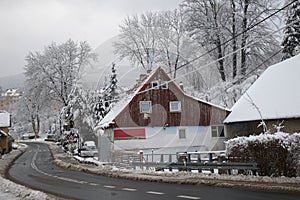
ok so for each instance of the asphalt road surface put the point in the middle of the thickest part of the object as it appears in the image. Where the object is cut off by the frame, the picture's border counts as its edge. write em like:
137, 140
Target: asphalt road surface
35, 169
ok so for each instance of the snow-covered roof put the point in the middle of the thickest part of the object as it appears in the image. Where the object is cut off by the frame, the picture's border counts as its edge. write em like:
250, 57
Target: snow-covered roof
11, 92
274, 95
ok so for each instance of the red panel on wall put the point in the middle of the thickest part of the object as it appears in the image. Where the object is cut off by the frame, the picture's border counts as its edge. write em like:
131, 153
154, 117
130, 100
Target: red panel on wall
124, 134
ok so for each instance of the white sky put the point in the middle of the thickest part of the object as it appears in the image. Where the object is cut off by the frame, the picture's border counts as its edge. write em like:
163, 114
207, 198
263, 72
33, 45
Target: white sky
30, 25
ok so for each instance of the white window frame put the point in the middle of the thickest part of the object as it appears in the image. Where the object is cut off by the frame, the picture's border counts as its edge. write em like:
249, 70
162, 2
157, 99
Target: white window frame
156, 83
217, 131
180, 136
164, 85
150, 107
179, 106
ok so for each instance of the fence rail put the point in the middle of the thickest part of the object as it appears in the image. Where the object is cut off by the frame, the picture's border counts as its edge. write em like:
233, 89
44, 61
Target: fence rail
185, 161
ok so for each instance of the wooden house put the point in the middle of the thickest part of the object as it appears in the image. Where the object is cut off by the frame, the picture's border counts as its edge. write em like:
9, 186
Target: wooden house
273, 98
157, 115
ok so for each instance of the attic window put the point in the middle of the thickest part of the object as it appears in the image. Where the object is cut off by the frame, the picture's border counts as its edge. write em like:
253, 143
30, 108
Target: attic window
145, 107
155, 85
175, 106
217, 131
164, 85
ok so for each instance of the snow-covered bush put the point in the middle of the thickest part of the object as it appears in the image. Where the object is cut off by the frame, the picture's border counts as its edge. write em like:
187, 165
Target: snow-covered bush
276, 154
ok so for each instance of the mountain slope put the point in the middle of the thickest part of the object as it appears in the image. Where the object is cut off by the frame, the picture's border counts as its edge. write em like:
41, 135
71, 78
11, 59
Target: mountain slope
14, 81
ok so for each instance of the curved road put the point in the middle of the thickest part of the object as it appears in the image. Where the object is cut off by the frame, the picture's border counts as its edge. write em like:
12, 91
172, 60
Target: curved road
35, 169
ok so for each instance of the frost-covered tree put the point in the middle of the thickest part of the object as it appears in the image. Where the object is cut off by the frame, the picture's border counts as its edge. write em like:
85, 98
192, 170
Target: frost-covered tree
104, 99
57, 69
223, 27
155, 37
111, 90
138, 40
32, 107
205, 19
172, 40
291, 41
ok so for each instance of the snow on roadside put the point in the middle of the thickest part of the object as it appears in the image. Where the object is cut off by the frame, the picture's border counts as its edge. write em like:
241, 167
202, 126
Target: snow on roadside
242, 181
10, 190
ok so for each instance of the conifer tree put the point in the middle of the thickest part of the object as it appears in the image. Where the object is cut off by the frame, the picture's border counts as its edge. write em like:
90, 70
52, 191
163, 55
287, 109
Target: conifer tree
291, 41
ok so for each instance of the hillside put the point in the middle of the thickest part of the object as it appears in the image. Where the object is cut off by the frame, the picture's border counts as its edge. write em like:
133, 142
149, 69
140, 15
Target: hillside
14, 81
94, 75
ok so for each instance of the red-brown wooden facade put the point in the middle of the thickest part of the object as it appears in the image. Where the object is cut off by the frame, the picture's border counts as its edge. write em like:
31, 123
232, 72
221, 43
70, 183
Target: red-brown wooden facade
193, 112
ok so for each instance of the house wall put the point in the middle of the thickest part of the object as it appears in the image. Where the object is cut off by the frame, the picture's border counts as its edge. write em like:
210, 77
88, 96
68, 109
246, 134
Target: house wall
193, 112
105, 146
166, 140
250, 128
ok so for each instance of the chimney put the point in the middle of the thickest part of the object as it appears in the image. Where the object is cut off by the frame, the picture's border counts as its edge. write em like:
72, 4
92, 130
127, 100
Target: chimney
142, 76
181, 85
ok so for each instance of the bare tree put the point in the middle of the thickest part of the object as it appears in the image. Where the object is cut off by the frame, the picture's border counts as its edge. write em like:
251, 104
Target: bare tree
205, 19
138, 40
215, 23
171, 39
158, 37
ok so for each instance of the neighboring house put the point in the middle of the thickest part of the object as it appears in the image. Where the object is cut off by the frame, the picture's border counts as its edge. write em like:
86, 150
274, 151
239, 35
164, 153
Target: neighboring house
156, 115
274, 97
5, 138
9, 98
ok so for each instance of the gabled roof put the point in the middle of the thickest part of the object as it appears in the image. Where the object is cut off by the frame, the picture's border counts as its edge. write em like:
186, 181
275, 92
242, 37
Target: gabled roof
137, 89
275, 94
121, 105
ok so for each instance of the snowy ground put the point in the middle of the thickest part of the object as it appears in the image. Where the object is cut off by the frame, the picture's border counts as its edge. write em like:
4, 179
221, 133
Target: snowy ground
264, 183
12, 191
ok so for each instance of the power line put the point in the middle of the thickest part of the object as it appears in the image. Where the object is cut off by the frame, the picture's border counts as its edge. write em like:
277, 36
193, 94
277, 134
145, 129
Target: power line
248, 29
250, 72
229, 54
249, 44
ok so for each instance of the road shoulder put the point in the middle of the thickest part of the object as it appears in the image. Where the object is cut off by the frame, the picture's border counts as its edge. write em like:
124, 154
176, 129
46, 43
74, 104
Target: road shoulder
279, 184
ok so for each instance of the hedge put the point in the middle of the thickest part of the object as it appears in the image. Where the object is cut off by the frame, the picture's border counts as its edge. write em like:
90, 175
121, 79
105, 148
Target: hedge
276, 154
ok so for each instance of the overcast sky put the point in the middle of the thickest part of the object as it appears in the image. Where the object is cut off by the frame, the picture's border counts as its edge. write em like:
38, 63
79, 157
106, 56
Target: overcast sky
30, 25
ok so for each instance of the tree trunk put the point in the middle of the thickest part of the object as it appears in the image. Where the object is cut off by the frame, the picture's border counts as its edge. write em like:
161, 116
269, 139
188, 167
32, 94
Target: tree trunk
33, 123
244, 38
218, 42
234, 45
37, 126
220, 59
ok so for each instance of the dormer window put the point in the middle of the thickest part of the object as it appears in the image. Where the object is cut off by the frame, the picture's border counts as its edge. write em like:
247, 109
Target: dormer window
155, 85
164, 84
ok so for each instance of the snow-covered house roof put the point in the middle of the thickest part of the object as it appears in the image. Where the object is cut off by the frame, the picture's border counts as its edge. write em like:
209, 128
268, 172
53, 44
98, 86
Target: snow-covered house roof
11, 92
274, 95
